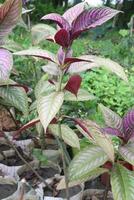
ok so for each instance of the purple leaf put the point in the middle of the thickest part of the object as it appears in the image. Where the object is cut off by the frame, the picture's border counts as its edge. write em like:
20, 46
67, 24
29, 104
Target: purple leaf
37, 53
71, 14
83, 125
26, 126
10, 13
6, 63
74, 60
128, 124
62, 55
62, 38
91, 19
73, 84
57, 19
112, 131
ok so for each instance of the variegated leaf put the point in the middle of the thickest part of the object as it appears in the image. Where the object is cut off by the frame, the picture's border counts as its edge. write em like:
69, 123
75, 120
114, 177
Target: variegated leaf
122, 181
43, 88
127, 152
92, 18
57, 19
96, 63
10, 13
128, 124
6, 64
67, 134
51, 68
100, 138
48, 107
112, 131
86, 161
36, 52
16, 97
112, 119
82, 95
84, 177
71, 14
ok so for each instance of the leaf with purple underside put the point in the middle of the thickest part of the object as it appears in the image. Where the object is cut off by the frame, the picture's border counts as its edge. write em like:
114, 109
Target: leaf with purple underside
92, 18
10, 13
6, 64
112, 119
37, 53
62, 38
98, 62
73, 84
62, 55
76, 60
128, 124
112, 131
57, 19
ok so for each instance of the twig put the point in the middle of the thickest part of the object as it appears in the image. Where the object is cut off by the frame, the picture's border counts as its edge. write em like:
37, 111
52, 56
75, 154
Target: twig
29, 166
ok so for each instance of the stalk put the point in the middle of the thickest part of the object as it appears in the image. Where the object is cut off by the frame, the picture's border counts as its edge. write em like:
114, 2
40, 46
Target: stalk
64, 164
106, 189
61, 146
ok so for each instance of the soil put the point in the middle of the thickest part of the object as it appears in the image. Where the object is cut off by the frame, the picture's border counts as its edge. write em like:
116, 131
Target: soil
95, 195
4, 147
45, 173
94, 184
15, 160
62, 193
7, 190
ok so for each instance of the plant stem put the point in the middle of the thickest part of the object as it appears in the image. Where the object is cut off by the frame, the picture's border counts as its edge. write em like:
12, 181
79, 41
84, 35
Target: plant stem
60, 143
29, 166
64, 164
106, 189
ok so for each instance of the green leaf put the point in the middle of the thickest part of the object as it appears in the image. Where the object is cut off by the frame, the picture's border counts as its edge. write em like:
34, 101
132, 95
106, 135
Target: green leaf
127, 152
48, 107
68, 135
41, 32
82, 95
84, 177
111, 118
86, 161
122, 181
16, 97
41, 157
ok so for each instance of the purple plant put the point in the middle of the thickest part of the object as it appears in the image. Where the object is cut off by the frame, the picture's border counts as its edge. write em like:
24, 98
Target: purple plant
52, 93
121, 127
77, 20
